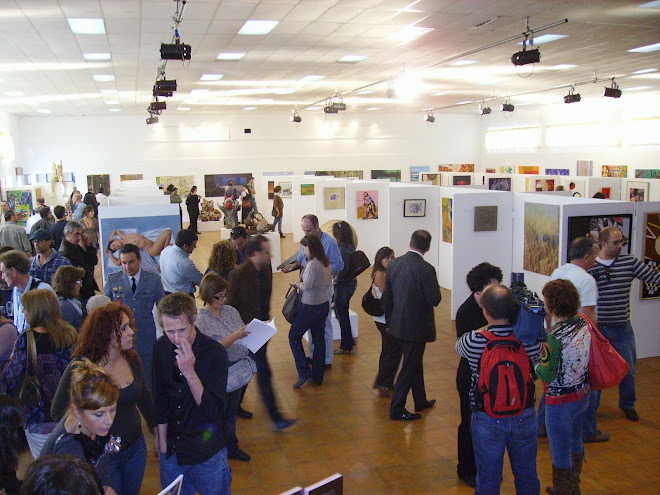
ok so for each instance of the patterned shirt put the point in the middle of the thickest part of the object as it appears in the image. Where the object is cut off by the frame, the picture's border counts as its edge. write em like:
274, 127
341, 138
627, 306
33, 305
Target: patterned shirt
46, 271
221, 328
573, 372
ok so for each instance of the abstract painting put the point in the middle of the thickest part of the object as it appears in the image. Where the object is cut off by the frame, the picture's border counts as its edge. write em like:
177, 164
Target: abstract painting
638, 191
485, 218
287, 189
367, 205
620, 171
499, 184
556, 171
541, 249
585, 168
124, 177
447, 214
433, 178
650, 173
307, 189
591, 226
334, 198
215, 184
528, 169
652, 253
183, 183
414, 207
391, 175
453, 167
544, 185
94, 182
461, 180
21, 203
506, 170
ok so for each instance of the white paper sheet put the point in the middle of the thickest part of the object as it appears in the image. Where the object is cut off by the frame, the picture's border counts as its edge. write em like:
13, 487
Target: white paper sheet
260, 333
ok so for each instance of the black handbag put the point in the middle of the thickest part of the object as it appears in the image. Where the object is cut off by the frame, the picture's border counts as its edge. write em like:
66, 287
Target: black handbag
29, 390
291, 303
370, 304
358, 263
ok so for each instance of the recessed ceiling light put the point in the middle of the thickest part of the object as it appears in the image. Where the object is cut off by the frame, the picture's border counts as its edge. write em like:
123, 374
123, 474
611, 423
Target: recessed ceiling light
285, 91
265, 100
365, 92
545, 38
230, 56
645, 71
43, 110
562, 67
250, 108
409, 33
464, 102
211, 77
646, 49
258, 27
313, 108
31, 103
96, 57
650, 5
372, 108
441, 93
351, 59
87, 26
183, 109
311, 77
108, 91
103, 77
111, 101
460, 63
638, 88
14, 93
114, 109
198, 92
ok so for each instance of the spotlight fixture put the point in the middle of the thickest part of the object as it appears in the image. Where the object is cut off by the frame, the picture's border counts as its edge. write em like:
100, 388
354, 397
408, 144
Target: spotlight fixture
484, 110
152, 120
507, 107
175, 51
525, 57
330, 109
339, 105
295, 117
572, 96
157, 107
335, 105
165, 87
613, 91
429, 117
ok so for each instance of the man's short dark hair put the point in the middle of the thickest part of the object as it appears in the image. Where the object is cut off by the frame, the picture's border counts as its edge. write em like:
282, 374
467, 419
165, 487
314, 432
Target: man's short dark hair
9, 214
312, 218
580, 247
498, 300
277, 188
101, 189
130, 248
255, 244
41, 201
185, 237
481, 275
238, 231
175, 305
16, 259
59, 211
421, 239
61, 474
44, 211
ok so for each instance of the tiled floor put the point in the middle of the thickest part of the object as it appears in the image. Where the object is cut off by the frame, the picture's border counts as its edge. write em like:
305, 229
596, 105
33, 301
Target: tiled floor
343, 426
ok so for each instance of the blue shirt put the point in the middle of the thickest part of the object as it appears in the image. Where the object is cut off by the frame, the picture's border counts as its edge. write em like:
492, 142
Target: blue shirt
177, 270
78, 214
46, 271
19, 317
331, 251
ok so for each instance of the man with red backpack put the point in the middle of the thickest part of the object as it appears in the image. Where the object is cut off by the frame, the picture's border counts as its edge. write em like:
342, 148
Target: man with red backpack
502, 396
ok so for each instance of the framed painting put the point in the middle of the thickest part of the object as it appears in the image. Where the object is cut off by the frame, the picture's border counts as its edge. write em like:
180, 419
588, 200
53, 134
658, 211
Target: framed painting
638, 191
414, 207
620, 171
287, 189
367, 205
271, 189
391, 175
528, 169
456, 167
651, 253
461, 180
499, 183
432, 178
585, 168
334, 198
556, 171
485, 218
591, 226
447, 219
541, 232
215, 184
650, 173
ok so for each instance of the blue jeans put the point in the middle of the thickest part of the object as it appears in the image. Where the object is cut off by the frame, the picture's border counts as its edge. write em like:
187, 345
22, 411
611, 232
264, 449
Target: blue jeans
540, 415
277, 222
517, 434
212, 477
622, 339
343, 293
310, 317
564, 425
127, 468
328, 333
589, 427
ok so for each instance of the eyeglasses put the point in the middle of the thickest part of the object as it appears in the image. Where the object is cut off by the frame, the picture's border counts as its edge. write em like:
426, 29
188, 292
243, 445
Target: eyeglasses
221, 296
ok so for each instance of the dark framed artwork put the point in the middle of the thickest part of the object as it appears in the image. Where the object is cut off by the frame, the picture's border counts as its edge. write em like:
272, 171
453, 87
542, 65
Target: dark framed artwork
461, 180
591, 226
485, 218
651, 253
414, 207
215, 184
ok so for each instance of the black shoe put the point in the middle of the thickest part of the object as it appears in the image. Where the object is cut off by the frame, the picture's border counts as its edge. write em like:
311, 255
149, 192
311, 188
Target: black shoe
429, 404
405, 416
309, 360
242, 413
301, 382
327, 366
469, 479
283, 424
631, 414
239, 455
282, 236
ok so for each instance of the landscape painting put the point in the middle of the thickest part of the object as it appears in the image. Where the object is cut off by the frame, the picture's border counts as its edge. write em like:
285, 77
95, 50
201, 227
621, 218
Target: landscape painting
541, 247
355, 174
307, 189
287, 189
391, 175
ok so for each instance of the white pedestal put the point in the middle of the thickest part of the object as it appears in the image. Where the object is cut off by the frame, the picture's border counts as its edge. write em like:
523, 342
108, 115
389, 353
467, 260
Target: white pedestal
224, 233
336, 329
209, 226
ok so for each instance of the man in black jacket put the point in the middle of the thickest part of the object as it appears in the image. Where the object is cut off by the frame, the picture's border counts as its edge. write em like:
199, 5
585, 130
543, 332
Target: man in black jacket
411, 293
78, 249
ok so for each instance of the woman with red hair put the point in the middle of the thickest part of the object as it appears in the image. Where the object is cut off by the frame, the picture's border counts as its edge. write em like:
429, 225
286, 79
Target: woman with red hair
106, 339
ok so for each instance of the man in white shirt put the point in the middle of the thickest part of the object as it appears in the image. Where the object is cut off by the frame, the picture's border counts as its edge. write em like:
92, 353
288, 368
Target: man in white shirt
101, 196
36, 215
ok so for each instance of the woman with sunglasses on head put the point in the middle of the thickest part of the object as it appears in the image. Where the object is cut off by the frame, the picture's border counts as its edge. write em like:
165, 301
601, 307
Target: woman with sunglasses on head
84, 431
107, 340
223, 323
67, 282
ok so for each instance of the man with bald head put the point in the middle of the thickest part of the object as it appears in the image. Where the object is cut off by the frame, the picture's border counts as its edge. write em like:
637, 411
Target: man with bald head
78, 206
614, 273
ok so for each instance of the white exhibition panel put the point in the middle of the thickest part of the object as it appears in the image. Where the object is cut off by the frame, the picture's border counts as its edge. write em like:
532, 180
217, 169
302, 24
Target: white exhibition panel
595, 184
303, 205
127, 200
401, 228
373, 233
471, 248
332, 214
519, 182
654, 189
580, 184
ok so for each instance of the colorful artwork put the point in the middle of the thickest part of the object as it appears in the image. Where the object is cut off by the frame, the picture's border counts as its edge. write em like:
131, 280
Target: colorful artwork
652, 253
591, 226
356, 174
453, 167
556, 171
490, 171
183, 183
122, 178
94, 182
544, 185
499, 184
433, 178
606, 192
585, 168
416, 171
620, 171
461, 180
651, 173
485, 218
307, 189
577, 187
367, 205
638, 191
271, 189
414, 207
214, 185
447, 213
207, 212
506, 170
287, 189
391, 175
334, 198
21, 203
541, 249
528, 169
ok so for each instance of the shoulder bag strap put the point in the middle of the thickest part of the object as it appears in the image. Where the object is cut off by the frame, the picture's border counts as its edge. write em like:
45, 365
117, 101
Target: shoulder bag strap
31, 351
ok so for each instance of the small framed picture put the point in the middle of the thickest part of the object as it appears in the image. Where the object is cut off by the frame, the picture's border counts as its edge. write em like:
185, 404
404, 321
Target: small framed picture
414, 207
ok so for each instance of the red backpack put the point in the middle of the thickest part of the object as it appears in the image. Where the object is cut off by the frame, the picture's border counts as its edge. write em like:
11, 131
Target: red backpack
229, 205
505, 387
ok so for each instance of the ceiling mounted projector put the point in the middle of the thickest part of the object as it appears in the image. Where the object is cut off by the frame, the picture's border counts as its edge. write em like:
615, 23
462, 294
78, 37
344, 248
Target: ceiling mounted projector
175, 51
152, 120
165, 87
526, 57
339, 105
295, 117
507, 107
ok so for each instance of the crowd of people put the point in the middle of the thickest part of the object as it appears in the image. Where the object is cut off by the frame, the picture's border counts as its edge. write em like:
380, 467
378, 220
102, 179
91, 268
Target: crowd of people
81, 371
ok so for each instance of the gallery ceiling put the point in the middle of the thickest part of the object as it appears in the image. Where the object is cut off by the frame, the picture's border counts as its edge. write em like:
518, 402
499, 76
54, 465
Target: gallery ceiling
43, 70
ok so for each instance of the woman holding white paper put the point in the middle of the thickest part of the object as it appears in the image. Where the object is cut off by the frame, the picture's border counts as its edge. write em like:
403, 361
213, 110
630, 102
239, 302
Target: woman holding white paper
223, 323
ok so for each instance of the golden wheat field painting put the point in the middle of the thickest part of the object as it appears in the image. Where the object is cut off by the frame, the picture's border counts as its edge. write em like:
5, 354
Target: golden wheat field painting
541, 252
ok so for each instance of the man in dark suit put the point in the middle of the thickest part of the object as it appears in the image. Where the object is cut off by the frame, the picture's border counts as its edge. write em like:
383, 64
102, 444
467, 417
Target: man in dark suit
411, 292
140, 290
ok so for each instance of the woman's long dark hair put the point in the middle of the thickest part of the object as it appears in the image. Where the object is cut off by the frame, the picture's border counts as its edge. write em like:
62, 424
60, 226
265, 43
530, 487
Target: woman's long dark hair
11, 437
381, 254
316, 250
342, 232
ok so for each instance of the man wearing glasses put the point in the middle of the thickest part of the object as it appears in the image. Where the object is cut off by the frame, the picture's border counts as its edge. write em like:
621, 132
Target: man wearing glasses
614, 273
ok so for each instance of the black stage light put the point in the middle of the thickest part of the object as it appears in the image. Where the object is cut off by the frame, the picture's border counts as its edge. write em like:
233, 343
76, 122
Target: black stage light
165, 87
157, 107
429, 118
339, 105
295, 118
507, 107
330, 109
572, 98
612, 92
175, 51
152, 120
526, 57
485, 110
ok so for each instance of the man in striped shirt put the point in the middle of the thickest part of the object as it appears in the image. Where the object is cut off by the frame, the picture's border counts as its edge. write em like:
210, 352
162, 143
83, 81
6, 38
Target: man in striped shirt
490, 436
614, 273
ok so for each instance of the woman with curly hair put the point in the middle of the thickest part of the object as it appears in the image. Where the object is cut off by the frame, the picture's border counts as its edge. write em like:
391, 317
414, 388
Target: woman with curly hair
107, 340
223, 259
84, 431
53, 340
67, 282
11, 443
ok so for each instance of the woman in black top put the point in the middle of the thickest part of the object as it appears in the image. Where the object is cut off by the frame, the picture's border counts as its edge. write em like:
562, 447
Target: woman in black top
470, 317
11, 443
344, 289
106, 338
192, 203
222, 259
